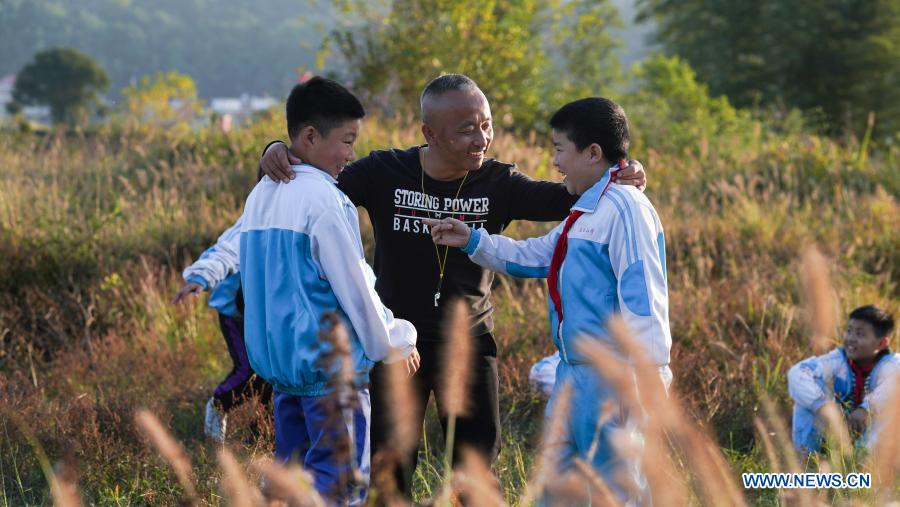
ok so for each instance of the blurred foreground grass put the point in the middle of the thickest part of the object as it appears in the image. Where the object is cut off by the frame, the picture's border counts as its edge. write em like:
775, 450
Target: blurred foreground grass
96, 226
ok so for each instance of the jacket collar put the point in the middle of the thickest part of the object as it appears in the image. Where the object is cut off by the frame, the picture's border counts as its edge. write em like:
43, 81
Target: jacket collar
315, 171
883, 353
591, 198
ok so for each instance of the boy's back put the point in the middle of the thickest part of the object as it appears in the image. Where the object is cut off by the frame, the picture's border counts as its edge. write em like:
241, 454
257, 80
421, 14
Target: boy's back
619, 245
301, 256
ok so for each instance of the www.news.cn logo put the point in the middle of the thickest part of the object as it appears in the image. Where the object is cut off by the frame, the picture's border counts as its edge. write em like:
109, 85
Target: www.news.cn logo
806, 481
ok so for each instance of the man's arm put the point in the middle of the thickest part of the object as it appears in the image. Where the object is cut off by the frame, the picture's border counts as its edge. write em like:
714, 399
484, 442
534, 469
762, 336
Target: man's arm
527, 258
546, 201
354, 180
538, 201
276, 161
338, 254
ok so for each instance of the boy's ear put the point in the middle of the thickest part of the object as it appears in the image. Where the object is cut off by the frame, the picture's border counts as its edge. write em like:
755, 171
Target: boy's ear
596, 152
308, 135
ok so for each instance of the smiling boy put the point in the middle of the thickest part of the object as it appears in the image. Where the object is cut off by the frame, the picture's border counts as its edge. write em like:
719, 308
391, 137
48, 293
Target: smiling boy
301, 256
857, 376
607, 258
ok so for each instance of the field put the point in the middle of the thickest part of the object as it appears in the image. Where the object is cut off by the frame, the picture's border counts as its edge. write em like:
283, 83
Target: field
96, 225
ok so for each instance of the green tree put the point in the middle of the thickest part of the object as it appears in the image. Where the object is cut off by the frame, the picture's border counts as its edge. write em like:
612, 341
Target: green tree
166, 99
230, 47
674, 112
401, 45
66, 80
837, 57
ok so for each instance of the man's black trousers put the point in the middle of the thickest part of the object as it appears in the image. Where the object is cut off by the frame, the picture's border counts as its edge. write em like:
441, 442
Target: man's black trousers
479, 429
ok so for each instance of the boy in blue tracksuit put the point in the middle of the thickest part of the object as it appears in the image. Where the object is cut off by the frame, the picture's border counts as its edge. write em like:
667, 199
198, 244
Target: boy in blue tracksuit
301, 256
858, 376
607, 258
211, 272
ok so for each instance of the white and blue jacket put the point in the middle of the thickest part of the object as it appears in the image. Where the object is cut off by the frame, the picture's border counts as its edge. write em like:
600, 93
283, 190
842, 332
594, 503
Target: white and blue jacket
615, 264
216, 271
818, 379
301, 255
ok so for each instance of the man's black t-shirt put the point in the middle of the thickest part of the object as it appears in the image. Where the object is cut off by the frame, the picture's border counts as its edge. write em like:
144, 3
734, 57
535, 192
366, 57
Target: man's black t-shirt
389, 185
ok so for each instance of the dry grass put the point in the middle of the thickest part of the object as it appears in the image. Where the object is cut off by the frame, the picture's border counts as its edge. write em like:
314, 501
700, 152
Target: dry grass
457, 370
170, 450
235, 486
95, 227
819, 300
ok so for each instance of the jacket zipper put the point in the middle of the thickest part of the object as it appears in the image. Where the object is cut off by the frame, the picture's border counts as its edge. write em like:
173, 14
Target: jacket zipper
559, 318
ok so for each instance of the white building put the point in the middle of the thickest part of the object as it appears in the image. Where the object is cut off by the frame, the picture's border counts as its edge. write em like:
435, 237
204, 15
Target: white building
6, 88
235, 111
34, 113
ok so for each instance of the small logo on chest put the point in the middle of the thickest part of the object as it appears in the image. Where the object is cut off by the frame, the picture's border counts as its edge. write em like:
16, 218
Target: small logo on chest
585, 230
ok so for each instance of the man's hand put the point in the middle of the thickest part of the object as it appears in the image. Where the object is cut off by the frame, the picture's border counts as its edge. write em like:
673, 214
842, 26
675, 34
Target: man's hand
633, 174
412, 362
189, 288
448, 231
858, 420
276, 162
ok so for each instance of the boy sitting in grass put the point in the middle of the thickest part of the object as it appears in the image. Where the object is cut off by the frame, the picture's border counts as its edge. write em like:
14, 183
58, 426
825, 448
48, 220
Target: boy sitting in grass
301, 256
857, 376
607, 258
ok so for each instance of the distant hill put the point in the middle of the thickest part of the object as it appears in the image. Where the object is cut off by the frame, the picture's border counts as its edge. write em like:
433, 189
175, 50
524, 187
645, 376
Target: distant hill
229, 47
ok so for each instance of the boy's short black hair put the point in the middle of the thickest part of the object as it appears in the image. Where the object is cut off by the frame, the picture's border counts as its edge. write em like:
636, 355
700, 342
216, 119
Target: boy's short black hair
322, 103
595, 120
881, 321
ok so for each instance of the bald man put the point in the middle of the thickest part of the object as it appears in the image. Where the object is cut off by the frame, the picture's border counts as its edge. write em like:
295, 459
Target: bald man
450, 176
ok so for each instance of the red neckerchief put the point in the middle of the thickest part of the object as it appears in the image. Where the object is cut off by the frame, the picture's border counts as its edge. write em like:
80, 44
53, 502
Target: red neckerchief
861, 373
562, 245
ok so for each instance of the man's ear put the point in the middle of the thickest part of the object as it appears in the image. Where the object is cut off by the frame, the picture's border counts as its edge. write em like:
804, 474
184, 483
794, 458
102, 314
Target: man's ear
428, 133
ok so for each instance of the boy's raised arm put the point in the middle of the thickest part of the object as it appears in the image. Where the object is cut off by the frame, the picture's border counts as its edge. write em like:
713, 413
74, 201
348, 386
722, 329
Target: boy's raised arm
219, 261
339, 255
527, 258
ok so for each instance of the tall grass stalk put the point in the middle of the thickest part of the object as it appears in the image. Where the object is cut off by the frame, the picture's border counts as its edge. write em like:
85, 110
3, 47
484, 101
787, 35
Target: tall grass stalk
820, 305
234, 484
290, 484
555, 432
457, 376
475, 482
170, 450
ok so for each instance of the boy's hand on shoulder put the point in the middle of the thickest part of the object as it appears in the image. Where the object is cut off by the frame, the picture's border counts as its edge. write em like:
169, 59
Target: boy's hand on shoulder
188, 288
276, 162
412, 362
449, 231
633, 174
